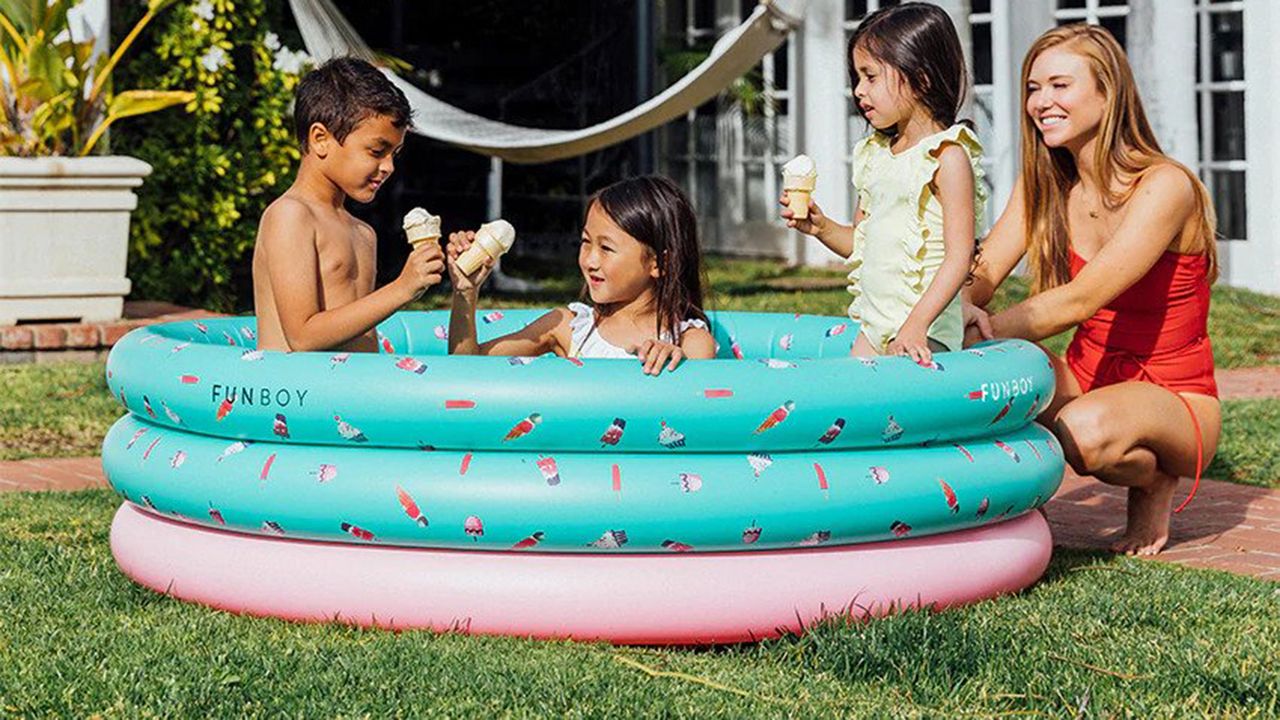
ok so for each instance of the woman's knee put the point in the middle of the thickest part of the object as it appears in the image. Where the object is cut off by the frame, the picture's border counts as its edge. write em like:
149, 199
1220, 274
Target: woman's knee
1088, 432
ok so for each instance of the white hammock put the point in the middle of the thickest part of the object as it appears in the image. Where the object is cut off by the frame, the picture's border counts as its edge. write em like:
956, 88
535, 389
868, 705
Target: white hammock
327, 34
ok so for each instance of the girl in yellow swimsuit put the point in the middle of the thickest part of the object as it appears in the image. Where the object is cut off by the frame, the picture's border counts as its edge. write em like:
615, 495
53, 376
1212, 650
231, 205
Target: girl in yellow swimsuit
919, 186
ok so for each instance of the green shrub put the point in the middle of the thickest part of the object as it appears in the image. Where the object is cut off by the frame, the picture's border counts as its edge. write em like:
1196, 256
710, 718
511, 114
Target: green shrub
217, 168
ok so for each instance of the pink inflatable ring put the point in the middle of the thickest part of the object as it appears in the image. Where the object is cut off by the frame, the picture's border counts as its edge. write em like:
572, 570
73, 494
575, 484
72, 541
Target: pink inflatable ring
684, 598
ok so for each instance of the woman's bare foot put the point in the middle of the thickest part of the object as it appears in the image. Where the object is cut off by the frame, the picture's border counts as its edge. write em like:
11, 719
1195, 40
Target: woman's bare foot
1149, 511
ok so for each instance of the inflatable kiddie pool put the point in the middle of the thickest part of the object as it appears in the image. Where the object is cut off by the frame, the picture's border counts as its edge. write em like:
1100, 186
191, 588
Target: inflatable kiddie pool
561, 498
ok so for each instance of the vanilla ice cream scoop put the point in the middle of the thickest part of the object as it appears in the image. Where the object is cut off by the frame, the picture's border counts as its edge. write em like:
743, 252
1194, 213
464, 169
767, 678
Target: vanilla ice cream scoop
421, 226
799, 178
492, 241
801, 166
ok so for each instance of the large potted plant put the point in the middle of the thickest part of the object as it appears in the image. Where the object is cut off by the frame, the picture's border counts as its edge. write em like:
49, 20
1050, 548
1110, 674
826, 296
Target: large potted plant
64, 212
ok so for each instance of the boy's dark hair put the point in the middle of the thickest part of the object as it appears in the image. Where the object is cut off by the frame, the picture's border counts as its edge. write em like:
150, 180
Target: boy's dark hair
343, 92
655, 211
919, 41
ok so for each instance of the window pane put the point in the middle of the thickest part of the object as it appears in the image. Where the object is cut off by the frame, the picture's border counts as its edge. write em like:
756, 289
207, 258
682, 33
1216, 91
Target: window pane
704, 13
705, 135
678, 137
782, 140
982, 54
780, 65
982, 117
1199, 28
678, 170
781, 128
707, 195
755, 139
855, 9
1113, 3
1203, 150
1227, 45
758, 205
1228, 200
981, 6
1116, 26
1228, 125
1069, 4
675, 17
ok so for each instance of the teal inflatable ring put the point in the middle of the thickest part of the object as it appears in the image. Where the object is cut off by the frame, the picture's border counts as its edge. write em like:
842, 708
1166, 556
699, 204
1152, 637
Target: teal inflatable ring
581, 502
783, 383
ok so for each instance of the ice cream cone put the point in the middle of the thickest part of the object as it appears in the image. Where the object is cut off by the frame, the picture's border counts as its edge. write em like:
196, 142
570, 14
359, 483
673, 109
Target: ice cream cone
798, 201
416, 240
492, 241
799, 178
421, 226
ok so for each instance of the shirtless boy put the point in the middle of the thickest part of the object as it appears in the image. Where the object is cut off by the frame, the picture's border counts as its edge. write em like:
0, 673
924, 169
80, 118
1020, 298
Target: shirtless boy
314, 264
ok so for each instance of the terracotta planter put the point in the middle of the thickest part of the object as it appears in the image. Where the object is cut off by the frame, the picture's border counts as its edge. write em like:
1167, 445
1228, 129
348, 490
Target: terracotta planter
64, 236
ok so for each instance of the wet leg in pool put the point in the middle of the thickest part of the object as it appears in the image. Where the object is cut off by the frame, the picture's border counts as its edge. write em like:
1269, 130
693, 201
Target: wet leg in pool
1140, 436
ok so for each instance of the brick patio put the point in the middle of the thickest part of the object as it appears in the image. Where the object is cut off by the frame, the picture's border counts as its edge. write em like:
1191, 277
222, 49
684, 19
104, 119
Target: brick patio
54, 474
21, 340
1227, 526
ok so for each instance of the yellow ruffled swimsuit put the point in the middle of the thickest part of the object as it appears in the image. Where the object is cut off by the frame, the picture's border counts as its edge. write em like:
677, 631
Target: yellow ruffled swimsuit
903, 220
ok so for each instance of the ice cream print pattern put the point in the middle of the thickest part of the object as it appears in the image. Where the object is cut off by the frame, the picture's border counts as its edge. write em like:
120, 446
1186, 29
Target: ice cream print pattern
416, 498
790, 404
412, 447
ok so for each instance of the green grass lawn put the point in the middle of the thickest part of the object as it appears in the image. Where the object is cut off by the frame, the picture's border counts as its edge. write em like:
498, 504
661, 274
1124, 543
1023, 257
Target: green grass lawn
1097, 637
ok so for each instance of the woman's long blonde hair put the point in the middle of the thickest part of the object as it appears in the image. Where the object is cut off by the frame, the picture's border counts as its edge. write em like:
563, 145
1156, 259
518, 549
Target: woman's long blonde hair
1126, 149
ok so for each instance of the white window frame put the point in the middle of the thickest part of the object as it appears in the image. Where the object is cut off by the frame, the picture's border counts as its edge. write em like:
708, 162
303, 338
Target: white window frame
985, 95
1204, 93
1091, 13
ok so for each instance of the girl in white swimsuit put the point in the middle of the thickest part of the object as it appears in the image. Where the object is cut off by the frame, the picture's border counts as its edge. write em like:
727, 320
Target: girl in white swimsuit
642, 286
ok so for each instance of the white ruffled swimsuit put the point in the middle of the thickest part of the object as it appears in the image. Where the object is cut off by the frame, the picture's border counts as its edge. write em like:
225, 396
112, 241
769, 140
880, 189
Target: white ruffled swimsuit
898, 246
589, 344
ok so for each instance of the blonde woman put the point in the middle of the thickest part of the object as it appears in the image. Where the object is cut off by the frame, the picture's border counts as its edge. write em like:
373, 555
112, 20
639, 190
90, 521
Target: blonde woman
1119, 241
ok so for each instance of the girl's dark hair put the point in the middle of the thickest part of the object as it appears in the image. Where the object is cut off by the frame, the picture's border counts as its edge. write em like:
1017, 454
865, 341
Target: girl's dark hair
919, 41
655, 211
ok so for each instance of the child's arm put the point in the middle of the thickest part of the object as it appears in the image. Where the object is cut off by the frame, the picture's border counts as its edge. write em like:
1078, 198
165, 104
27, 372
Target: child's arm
837, 237
954, 181
288, 237
696, 343
538, 337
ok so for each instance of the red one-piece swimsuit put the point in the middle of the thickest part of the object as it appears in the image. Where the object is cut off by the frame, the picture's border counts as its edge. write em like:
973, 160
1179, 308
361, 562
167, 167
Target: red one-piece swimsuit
1156, 331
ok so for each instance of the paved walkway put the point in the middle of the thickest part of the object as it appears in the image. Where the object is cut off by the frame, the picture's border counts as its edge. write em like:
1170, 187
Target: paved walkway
36, 342
1227, 527
56, 474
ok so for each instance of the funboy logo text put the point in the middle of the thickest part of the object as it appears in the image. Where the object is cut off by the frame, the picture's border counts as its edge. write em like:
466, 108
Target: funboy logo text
1004, 389
263, 396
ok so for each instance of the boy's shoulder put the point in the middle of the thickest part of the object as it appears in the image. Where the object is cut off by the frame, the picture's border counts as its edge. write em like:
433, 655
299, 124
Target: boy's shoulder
285, 212
291, 220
